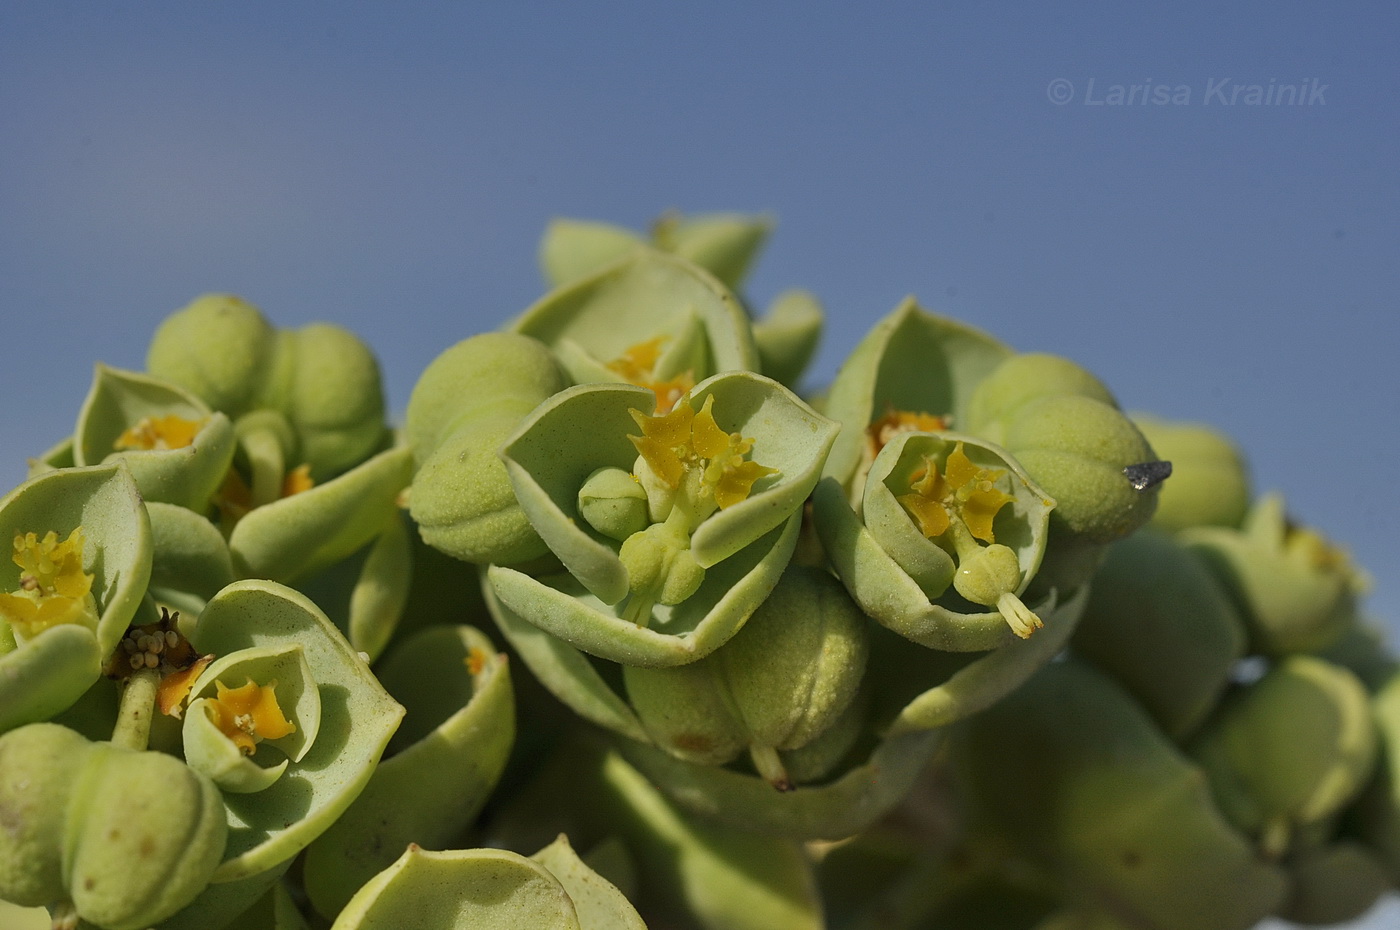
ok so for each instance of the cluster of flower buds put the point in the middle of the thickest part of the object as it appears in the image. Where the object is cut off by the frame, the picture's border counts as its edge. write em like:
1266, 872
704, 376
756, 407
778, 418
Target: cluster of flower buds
954, 642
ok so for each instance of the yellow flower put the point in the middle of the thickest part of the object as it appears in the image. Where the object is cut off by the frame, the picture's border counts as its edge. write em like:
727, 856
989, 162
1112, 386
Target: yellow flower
962, 492
684, 441
167, 432
894, 422
248, 715
53, 589
637, 365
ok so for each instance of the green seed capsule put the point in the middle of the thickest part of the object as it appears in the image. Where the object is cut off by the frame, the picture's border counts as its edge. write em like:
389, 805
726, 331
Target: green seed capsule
128, 837
467, 402
780, 683
38, 765
1077, 448
1025, 377
1290, 750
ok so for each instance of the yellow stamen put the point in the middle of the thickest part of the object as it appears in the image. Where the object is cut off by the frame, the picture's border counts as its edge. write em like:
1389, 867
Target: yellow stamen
674, 443
53, 589
248, 714
963, 491
475, 660
637, 365
167, 432
894, 422
297, 480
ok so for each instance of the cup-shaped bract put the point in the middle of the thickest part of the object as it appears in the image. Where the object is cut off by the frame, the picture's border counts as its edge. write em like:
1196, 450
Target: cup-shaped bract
177, 449
787, 335
441, 768
1289, 750
651, 319
487, 889
232, 699
570, 249
913, 371
724, 244
1159, 623
80, 547
465, 404
951, 526
726, 473
300, 534
357, 718
1210, 483
1296, 591
1072, 772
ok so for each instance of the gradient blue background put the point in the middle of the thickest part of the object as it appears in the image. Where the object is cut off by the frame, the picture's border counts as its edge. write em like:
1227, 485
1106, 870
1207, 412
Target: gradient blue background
391, 169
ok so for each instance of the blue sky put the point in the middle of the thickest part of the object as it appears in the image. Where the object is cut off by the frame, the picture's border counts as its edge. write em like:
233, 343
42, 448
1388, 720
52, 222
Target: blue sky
392, 171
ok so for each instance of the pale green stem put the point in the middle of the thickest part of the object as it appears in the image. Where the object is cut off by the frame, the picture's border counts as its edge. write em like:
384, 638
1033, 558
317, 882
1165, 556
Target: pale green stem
138, 706
770, 766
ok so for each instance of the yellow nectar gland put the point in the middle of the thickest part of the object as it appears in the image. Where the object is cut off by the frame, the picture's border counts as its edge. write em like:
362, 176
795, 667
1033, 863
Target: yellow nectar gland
962, 492
235, 499
53, 588
683, 440
637, 365
879, 433
167, 432
248, 715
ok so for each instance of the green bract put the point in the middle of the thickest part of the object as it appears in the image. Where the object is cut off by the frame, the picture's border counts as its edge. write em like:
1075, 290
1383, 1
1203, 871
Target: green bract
591, 323
177, 449
298, 535
1288, 751
1078, 777
441, 768
357, 717
913, 371
1296, 591
210, 751
934, 590
45, 671
722, 243
725, 474
489, 889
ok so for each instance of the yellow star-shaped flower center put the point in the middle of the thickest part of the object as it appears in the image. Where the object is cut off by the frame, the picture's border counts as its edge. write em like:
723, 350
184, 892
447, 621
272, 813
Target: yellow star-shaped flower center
167, 432
962, 491
637, 365
683, 441
249, 714
53, 588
